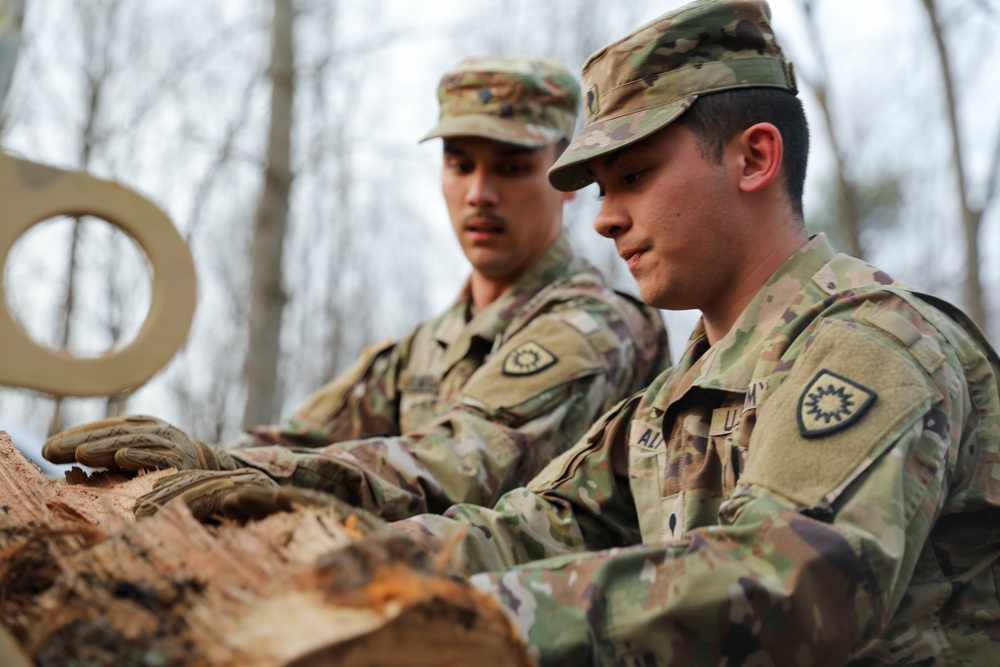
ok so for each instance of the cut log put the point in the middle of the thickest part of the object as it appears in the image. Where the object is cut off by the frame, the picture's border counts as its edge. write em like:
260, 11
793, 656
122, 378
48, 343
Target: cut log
81, 582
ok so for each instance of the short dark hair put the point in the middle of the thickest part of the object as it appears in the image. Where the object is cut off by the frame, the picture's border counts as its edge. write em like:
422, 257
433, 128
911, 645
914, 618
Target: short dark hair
717, 118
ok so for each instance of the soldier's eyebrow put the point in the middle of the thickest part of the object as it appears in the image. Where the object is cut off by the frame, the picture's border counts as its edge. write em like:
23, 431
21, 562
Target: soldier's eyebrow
510, 149
503, 150
609, 161
621, 152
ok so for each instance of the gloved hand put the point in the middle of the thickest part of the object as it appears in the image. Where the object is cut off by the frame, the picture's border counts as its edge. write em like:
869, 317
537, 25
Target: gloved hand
256, 503
132, 443
204, 491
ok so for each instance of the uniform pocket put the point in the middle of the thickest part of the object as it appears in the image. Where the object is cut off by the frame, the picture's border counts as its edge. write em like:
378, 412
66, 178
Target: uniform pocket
660, 512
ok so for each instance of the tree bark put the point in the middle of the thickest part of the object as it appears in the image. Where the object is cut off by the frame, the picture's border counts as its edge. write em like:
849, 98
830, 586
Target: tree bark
267, 297
83, 583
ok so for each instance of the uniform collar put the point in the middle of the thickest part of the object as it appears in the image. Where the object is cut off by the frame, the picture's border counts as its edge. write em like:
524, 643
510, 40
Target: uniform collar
731, 364
455, 332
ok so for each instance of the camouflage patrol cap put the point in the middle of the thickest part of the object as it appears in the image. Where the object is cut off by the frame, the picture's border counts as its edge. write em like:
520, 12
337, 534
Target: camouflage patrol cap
524, 101
647, 79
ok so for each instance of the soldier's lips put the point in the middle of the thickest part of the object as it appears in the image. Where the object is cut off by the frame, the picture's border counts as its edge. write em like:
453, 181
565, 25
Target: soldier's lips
483, 229
632, 258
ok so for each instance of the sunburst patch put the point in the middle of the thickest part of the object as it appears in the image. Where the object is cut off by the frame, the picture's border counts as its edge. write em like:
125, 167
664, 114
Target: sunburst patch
527, 359
830, 403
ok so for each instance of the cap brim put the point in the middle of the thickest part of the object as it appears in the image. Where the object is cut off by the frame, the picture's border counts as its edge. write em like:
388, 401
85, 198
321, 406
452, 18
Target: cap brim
498, 129
570, 170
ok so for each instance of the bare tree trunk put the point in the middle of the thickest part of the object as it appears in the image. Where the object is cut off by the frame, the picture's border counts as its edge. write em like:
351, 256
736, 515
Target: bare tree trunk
96, 75
267, 298
970, 218
848, 215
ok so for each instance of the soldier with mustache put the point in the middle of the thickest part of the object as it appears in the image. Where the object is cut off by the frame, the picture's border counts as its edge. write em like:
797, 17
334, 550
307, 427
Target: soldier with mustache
473, 402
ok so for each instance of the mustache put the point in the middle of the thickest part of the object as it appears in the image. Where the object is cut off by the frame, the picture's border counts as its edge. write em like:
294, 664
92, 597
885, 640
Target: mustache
467, 221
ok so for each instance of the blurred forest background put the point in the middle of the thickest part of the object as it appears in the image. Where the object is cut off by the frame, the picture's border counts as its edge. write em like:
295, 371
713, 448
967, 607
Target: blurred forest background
281, 138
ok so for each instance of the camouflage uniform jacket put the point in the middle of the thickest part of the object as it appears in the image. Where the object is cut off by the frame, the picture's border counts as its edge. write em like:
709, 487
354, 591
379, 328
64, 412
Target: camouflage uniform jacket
820, 487
462, 409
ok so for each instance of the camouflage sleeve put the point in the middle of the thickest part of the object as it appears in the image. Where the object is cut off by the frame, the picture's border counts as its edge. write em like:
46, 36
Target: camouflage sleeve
360, 402
532, 399
579, 501
807, 563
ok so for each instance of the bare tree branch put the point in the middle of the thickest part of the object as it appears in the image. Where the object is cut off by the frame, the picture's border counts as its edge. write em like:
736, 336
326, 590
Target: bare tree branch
222, 157
848, 216
970, 220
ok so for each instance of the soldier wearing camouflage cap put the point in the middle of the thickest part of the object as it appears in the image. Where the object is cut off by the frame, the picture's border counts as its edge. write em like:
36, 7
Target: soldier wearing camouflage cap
817, 480
472, 402
520, 101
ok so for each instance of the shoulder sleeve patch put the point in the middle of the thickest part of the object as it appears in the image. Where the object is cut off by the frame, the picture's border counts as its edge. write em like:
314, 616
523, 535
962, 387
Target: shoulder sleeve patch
848, 398
832, 402
541, 357
527, 359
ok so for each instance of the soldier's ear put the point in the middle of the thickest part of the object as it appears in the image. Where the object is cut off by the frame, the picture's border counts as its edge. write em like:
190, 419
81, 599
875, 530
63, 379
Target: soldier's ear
759, 150
568, 196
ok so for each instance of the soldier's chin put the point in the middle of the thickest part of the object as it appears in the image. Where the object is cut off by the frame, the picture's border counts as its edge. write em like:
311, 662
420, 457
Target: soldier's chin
654, 295
491, 266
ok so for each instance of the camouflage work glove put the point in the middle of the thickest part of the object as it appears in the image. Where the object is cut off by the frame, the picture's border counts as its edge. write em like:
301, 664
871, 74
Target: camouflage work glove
258, 503
132, 443
204, 491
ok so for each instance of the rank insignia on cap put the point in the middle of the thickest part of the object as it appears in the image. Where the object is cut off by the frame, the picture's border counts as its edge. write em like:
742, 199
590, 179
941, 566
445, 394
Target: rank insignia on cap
832, 402
593, 107
527, 359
